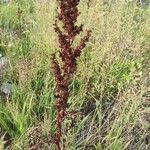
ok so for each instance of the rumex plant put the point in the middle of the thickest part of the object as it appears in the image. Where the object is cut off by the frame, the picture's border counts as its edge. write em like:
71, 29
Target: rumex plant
64, 70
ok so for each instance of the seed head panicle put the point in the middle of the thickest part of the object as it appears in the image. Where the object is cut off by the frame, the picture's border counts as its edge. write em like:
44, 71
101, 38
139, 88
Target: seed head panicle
68, 14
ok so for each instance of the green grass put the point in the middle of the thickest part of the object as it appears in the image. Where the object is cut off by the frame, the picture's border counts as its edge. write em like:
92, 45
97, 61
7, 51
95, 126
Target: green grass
108, 88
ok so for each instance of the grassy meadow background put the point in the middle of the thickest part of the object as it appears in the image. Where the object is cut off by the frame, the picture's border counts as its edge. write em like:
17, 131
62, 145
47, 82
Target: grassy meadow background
110, 91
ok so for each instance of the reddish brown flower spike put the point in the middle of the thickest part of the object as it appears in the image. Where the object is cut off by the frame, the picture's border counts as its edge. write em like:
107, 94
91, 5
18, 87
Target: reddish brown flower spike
68, 15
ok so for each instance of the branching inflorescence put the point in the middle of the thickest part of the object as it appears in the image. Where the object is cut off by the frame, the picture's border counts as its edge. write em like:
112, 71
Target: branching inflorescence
63, 71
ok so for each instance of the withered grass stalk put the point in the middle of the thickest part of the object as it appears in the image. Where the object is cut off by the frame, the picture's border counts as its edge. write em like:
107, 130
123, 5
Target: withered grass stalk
63, 72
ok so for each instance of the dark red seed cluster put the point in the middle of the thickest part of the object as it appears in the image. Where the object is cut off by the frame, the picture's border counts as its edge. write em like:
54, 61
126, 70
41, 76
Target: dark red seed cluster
68, 15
